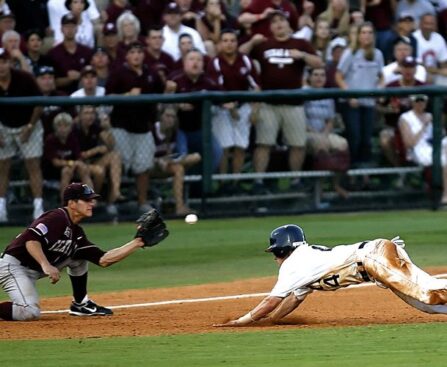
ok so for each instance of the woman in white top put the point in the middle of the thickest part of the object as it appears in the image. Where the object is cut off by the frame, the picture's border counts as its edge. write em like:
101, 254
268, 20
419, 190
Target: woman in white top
86, 34
416, 128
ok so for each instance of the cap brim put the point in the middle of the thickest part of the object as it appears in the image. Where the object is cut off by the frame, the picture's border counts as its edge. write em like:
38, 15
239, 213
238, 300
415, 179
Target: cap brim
91, 196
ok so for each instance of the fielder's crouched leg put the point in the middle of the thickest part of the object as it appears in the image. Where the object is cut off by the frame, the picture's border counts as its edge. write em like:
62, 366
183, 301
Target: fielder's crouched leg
391, 266
25, 312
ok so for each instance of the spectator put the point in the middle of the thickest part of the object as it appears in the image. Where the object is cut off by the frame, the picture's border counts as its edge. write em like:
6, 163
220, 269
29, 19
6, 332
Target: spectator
282, 59
390, 139
47, 85
20, 133
97, 152
416, 128
337, 15
149, 13
415, 8
231, 124
132, 126
392, 71
167, 162
189, 10
101, 63
30, 14
381, 14
7, 22
334, 53
57, 10
11, 43
62, 154
128, 27
210, 24
116, 8
89, 84
34, 53
69, 57
189, 135
110, 42
321, 38
186, 44
432, 50
156, 58
87, 27
322, 142
403, 30
174, 28
360, 67
257, 15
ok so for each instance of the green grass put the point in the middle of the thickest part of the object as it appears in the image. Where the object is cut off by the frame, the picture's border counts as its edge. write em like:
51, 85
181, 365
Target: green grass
396, 345
224, 250
229, 249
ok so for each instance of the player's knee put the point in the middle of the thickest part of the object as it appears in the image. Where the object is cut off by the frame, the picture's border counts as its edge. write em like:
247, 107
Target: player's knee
26, 313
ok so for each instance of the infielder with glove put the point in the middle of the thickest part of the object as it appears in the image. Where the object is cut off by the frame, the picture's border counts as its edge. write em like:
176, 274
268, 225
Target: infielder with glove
305, 268
54, 241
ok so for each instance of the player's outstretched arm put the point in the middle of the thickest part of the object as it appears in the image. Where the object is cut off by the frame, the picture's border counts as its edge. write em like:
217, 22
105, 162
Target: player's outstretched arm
289, 304
266, 306
117, 254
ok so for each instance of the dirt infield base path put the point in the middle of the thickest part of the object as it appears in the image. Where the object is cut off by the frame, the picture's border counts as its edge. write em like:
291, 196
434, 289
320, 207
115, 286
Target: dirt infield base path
353, 306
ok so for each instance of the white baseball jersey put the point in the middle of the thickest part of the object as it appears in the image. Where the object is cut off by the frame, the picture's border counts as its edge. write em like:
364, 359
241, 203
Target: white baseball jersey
312, 267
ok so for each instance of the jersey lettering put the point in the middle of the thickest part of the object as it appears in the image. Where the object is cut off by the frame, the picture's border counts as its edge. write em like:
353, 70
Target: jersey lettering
63, 246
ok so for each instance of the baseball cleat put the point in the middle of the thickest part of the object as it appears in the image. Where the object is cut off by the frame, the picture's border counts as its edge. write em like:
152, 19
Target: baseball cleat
89, 308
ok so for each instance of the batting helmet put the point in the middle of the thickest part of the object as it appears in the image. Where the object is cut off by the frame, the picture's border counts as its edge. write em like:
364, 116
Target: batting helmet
285, 239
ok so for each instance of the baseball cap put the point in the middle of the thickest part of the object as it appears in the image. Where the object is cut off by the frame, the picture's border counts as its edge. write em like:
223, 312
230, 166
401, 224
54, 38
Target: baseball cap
69, 18
337, 42
45, 70
172, 8
278, 12
4, 15
109, 28
409, 62
403, 17
418, 97
4, 54
79, 191
88, 69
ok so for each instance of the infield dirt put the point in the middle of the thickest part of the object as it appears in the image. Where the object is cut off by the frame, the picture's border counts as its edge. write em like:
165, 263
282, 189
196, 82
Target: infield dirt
347, 307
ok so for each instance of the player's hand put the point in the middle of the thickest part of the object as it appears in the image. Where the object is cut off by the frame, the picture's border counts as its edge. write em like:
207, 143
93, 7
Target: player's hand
52, 272
232, 323
398, 241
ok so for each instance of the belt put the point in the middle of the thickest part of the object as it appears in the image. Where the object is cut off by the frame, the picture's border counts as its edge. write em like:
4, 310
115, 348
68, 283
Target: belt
10, 259
363, 244
362, 271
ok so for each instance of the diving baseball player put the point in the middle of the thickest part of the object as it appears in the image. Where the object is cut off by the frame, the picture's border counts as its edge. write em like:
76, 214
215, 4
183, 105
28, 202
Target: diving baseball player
305, 268
54, 241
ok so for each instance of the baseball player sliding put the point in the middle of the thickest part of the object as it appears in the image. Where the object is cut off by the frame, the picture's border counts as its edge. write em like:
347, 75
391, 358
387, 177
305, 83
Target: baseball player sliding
305, 268
54, 241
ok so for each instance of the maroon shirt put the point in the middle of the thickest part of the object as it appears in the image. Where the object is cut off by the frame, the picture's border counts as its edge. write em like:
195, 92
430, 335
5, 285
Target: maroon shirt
114, 11
54, 148
192, 120
134, 118
263, 26
241, 75
90, 140
60, 239
64, 61
163, 65
278, 69
381, 15
22, 84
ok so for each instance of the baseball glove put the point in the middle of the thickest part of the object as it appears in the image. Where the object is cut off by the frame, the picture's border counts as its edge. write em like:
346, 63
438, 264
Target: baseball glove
151, 228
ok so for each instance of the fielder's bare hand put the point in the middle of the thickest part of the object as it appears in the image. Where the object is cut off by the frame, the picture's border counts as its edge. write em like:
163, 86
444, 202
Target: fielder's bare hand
52, 272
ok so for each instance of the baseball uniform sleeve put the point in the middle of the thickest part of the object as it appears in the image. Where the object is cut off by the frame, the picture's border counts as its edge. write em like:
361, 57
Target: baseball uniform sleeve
88, 251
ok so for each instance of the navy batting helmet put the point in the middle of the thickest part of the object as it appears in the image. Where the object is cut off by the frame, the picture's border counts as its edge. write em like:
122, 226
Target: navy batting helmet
285, 239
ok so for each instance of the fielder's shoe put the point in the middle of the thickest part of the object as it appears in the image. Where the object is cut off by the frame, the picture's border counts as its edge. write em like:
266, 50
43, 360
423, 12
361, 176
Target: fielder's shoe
89, 308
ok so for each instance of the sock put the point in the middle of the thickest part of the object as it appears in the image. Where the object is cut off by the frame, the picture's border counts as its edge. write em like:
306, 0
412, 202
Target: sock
38, 202
6, 311
79, 285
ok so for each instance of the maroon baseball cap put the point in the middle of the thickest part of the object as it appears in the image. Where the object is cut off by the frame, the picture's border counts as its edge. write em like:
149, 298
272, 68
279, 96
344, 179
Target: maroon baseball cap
88, 70
69, 18
136, 44
278, 12
79, 191
409, 62
172, 8
4, 54
109, 28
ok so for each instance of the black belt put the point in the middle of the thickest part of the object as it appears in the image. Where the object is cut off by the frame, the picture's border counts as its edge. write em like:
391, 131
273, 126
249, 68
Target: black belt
362, 271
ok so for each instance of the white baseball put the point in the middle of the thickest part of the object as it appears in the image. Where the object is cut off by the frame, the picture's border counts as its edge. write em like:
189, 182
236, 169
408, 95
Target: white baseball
191, 219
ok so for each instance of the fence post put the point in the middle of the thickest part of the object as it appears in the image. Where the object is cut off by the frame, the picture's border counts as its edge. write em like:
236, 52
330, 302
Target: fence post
438, 102
207, 159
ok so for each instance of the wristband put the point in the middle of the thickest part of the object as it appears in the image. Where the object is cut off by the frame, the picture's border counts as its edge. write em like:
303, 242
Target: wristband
246, 319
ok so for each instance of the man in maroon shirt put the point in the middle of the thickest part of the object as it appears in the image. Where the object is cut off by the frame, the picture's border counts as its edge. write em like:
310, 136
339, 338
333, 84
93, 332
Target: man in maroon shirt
52, 242
231, 124
282, 59
189, 134
132, 125
155, 58
69, 57
20, 132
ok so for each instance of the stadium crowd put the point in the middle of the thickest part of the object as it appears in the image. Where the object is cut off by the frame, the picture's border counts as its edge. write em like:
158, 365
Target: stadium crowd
129, 47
